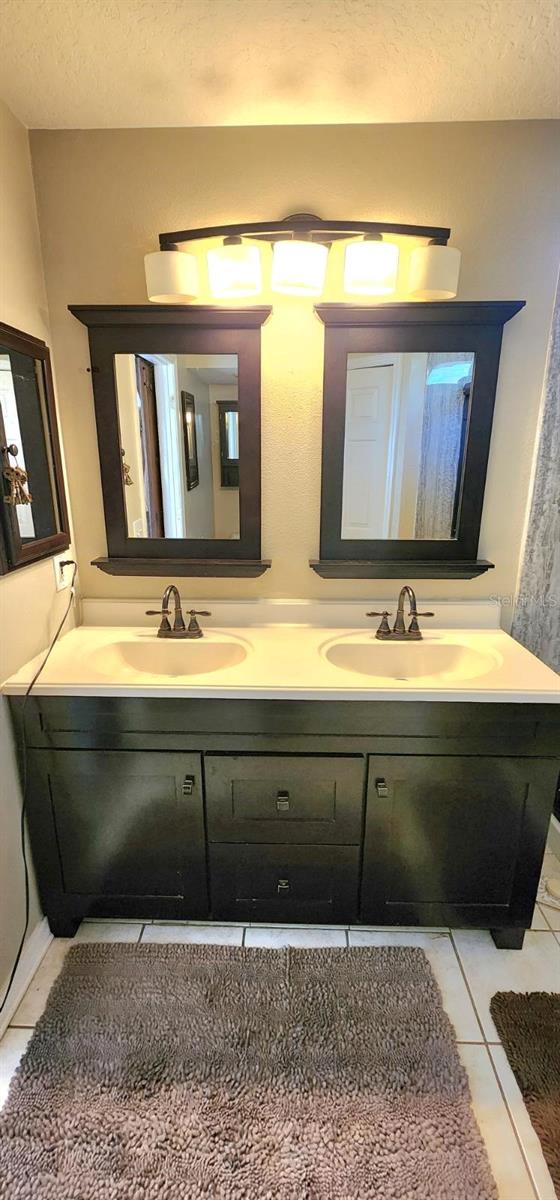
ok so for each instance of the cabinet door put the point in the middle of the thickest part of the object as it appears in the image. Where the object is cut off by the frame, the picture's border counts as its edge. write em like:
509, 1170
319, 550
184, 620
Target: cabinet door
120, 823
454, 839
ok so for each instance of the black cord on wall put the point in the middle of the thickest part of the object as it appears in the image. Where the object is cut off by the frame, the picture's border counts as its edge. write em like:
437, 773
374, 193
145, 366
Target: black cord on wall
69, 562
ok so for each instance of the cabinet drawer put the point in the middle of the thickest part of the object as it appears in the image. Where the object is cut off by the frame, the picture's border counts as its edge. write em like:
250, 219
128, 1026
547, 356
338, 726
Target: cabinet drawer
273, 798
284, 883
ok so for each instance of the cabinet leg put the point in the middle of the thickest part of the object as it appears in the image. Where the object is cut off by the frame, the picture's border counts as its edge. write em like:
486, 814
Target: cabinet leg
64, 927
508, 938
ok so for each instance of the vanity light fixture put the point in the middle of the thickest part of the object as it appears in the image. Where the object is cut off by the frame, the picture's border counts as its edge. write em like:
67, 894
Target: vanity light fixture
370, 267
434, 272
171, 276
234, 269
300, 250
299, 267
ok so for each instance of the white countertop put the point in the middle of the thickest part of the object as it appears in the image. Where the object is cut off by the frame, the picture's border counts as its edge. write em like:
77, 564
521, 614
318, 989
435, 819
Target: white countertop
289, 661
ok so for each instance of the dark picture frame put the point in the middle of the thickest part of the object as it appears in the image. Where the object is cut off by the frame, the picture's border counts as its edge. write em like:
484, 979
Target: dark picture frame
46, 484
474, 326
188, 413
177, 329
229, 467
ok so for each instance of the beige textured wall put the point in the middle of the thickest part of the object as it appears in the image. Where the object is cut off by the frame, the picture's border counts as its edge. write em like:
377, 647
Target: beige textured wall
104, 195
30, 607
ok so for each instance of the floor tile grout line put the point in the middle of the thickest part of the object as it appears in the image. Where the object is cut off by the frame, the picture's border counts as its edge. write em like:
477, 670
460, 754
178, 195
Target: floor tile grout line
243, 935
512, 1122
542, 908
467, 985
493, 1066
141, 934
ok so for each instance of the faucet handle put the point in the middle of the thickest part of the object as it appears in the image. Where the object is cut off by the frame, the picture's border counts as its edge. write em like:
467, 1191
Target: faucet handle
194, 630
164, 627
414, 626
383, 631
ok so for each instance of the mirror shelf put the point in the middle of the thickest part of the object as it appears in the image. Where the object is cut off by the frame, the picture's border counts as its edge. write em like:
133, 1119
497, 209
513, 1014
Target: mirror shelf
398, 569
240, 568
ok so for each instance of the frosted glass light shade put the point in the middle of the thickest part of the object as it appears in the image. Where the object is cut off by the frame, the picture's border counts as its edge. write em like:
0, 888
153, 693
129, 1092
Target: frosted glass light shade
370, 268
434, 272
234, 270
171, 276
298, 268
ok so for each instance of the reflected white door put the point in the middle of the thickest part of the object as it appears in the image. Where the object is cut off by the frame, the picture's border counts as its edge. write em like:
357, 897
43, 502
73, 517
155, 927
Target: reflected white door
369, 415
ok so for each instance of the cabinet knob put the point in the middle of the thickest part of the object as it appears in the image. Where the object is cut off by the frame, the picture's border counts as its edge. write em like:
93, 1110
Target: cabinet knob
188, 785
381, 787
282, 801
283, 885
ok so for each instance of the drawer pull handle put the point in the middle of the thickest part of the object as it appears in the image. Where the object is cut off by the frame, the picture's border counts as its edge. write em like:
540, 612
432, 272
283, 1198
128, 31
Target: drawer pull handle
283, 885
188, 785
381, 787
283, 801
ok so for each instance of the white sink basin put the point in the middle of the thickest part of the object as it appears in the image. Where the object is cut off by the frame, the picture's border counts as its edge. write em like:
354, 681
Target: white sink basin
445, 661
167, 658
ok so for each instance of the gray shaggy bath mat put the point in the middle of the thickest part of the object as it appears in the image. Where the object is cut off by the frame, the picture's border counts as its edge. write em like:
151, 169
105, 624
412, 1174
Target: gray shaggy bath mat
180, 1072
529, 1027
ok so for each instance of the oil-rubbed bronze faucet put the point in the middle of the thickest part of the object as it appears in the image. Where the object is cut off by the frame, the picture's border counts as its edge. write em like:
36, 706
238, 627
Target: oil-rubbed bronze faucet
399, 633
179, 630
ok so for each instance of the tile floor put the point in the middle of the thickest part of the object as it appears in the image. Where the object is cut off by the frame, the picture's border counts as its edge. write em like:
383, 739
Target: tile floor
468, 968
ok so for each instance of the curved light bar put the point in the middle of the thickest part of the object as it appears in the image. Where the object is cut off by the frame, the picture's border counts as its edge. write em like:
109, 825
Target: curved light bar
301, 243
304, 225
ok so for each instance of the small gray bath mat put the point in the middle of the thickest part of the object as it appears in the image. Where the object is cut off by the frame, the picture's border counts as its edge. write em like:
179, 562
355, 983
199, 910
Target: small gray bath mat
180, 1072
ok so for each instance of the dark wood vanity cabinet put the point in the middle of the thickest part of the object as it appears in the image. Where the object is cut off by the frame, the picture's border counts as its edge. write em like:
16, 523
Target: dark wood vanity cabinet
388, 813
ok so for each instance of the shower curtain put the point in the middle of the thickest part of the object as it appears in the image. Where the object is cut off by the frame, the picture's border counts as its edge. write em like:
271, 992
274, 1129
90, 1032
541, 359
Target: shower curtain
440, 452
536, 621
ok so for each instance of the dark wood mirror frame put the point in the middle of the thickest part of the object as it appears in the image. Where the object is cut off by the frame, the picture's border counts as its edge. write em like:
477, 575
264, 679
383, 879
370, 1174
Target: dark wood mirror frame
475, 326
177, 329
15, 553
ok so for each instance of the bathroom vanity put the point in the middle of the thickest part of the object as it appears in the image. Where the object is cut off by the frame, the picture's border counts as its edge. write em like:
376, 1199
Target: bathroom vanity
291, 783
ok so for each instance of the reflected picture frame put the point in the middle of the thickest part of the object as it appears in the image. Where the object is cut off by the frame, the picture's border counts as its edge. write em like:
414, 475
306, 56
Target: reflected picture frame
188, 413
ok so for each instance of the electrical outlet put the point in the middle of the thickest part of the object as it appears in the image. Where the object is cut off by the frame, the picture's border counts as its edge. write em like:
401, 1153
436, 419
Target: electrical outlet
62, 575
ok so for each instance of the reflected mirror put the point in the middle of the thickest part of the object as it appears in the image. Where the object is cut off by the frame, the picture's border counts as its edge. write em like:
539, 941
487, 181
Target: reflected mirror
405, 436
22, 400
33, 513
178, 418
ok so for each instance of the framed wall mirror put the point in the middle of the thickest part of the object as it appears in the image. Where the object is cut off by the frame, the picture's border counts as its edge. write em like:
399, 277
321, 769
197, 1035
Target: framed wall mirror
177, 401
408, 402
33, 512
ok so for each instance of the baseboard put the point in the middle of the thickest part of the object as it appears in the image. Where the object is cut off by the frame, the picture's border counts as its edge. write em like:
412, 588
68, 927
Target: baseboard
553, 842
33, 953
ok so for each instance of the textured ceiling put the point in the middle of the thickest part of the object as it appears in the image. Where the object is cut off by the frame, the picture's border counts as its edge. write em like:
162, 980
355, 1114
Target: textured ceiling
121, 63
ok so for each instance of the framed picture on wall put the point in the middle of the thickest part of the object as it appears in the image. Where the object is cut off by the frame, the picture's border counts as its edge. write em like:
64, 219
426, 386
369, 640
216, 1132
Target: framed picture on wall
189, 435
228, 413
